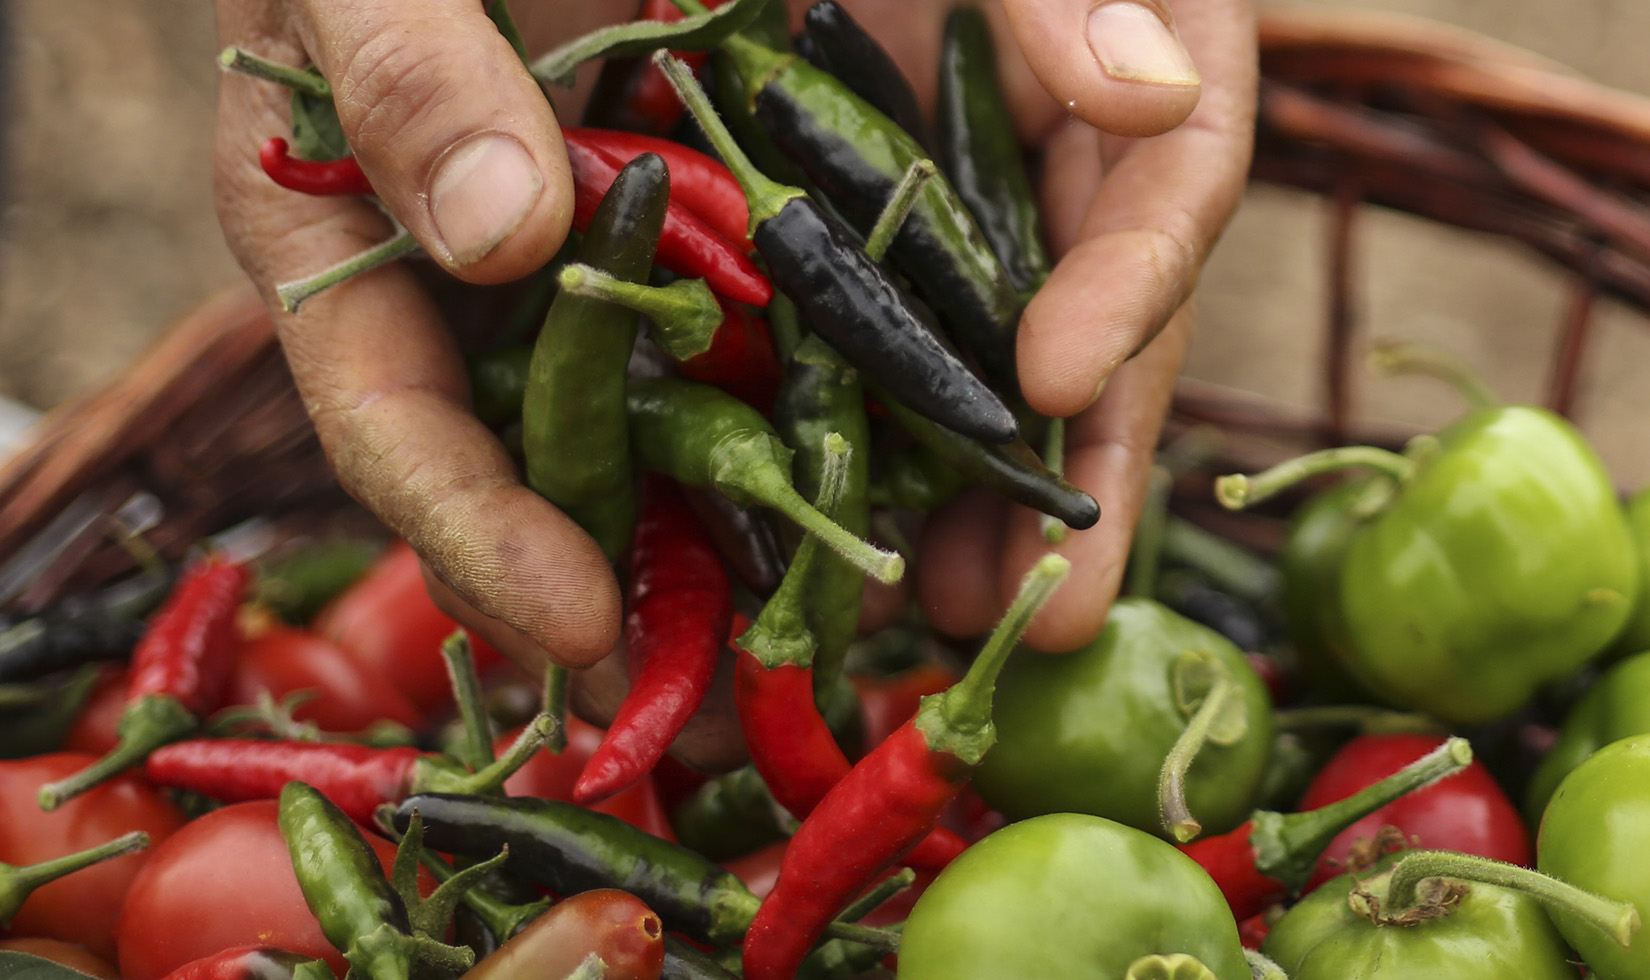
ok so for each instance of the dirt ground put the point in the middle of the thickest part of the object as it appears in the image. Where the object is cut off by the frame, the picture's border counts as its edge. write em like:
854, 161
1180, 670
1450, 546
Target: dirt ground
108, 231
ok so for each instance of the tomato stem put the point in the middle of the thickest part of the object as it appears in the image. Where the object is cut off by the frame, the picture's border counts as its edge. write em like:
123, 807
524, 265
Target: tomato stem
17, 883
1146, 551
1237, 491
886, 889
1262, 968
1169, 966
1220, 700
1402, 357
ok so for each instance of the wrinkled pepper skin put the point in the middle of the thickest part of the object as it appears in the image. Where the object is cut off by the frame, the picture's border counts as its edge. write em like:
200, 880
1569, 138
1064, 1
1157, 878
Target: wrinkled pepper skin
1503, 563
1494, 932
1088, 731
1067, 896
1616, 707
1595, 835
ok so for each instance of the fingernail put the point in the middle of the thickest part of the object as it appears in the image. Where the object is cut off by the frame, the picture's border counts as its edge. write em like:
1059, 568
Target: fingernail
482, 190
1133, 44
1100, 389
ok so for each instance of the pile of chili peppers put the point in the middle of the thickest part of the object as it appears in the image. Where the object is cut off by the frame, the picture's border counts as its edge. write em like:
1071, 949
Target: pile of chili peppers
292, 765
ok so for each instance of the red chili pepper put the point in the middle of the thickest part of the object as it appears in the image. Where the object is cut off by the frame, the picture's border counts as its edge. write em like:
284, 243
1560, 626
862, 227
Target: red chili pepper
687, 245
320, 178
699, 182
1470, 813
178, 673
681, 604
358, 778
742, 360
650, 95
242, 963
889, 801
1272, 856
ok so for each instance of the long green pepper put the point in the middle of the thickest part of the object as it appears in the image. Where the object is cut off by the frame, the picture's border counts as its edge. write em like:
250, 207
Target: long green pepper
574, 426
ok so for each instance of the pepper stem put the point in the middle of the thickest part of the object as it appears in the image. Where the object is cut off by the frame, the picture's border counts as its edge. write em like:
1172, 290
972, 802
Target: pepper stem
1287, 845
1146, 551
1054, 457
18, 883
958, 719
245, 62
1169, 966
886, 889
1238, 491
293, 294
1618, 919
684, 314
503, 919
1216, 706
899, 205
146, 724
461, 673
1392, 357
431, 916
766, 196
555, 706
490, 777
886, 940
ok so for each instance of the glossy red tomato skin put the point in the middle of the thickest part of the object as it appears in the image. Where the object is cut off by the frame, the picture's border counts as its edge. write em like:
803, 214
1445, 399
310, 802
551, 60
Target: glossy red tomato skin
82, 907
549, 776
224, 880
612, 924
389, 625
96, 728
71, 955
1467, 812
348, 698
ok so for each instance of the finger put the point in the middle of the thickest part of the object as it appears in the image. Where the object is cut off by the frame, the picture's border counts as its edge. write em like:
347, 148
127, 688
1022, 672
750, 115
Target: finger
1118, 65
711, 741
1147, 231
457, 138
957, 564
1109, 451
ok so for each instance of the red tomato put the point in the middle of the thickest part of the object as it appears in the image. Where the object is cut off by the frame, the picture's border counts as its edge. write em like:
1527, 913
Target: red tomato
68, 954
390, 626
551, 777
1466, 812
80, 908
283, 659
612, 924
759, 869
95, 729
223, 880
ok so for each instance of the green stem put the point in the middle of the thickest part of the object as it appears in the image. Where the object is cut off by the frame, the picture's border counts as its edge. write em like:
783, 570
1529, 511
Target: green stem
1617, 919
1054, 457
1237, 491
1262, 968
17, 883
767, 197
461, 672
1235, 569
1171, 782
1146, 552
899, 205
293, 294
1287, 845
246, 63
145, 725
886, 940
555, 706
1401, 357
886, 889
503, 919
959, 720
1169, 966
431, 916
489, 778
685, 313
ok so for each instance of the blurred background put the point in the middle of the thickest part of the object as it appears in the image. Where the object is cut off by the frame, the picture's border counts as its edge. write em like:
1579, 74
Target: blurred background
107, 231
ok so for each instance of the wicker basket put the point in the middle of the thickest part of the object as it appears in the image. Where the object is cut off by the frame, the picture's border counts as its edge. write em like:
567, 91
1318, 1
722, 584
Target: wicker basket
206, 429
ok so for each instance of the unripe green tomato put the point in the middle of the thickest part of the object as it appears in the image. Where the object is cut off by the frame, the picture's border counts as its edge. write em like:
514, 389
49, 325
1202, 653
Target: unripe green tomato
1087, 731
1635, 636
1615, 707
1067, 896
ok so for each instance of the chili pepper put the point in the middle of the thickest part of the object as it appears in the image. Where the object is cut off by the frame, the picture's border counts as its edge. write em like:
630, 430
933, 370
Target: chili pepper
356, 778
913, 477
299, 582
698, 182
18, 883
684, 314
498, 381
1593, 836
1271, 856
683, 962
1469, 917
848, 298
45, 716
573, 418
631, 94
615, 927
741, 359
730, 816
344, 885
1615, 707
839, 45
687, 245
988, 915
178, 672
890, 800
680, 605
320, 178
253, 963
105, 625
702, 436
1499, 561
856, 156
1118, 705
744, 538
979, 152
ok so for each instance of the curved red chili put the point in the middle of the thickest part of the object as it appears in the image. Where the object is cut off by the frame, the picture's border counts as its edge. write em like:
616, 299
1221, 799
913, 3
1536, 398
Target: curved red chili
243, 963
681, 604
320, 178
699, 182
742, 359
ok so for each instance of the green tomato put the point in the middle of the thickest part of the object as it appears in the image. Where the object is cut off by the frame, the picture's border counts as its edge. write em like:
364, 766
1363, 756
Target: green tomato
1336, 933
1595, 835
1068, 896
1319, 531
1615, 707
1635, 636
1087, 731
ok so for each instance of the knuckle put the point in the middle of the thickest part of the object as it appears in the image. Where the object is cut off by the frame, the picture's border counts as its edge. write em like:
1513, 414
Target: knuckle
389, 86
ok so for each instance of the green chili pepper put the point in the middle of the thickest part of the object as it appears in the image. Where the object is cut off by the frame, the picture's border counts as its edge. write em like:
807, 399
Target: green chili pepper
730, 815
700, 435
834, 42
914, 477
1614, 708
980, 154
684, 314
573, 413
498, 383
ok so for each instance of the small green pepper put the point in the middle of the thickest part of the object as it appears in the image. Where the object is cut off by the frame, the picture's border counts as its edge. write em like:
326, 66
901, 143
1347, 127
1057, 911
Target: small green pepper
1070, 896
1615, 707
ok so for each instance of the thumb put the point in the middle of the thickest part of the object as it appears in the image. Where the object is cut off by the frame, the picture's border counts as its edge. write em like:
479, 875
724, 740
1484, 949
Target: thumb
1118, 65
457, 138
